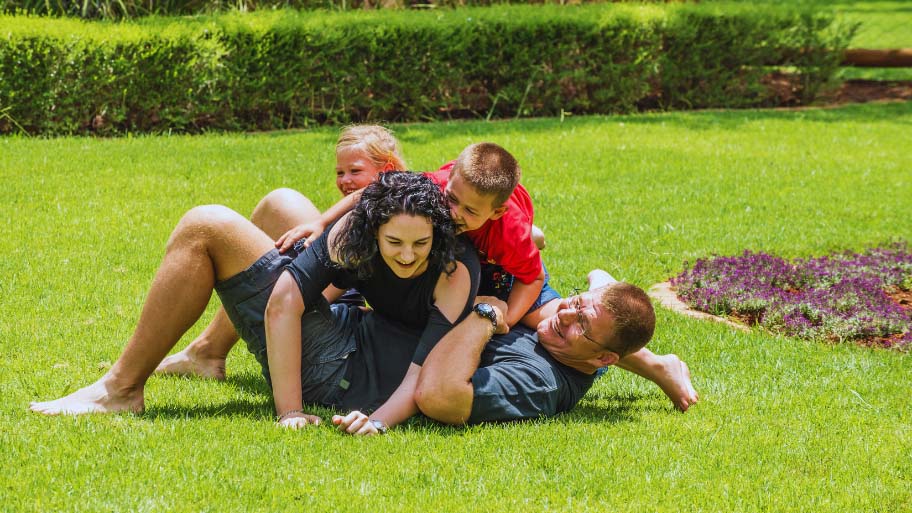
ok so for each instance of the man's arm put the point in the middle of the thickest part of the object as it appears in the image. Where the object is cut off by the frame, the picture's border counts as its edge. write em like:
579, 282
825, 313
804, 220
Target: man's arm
445, 391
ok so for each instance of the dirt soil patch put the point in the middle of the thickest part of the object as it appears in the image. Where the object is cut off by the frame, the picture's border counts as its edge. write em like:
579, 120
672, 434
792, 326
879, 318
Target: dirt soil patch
784, 88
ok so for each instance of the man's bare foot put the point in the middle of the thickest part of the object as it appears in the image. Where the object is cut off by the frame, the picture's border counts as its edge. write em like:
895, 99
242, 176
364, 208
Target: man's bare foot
599, 278
95, 398
674, 379
189, 363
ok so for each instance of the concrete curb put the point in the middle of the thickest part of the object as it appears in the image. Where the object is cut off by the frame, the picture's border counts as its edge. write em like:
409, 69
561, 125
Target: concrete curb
664, 293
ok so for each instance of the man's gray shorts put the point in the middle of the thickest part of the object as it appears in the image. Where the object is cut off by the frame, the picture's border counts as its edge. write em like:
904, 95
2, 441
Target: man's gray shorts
327, 332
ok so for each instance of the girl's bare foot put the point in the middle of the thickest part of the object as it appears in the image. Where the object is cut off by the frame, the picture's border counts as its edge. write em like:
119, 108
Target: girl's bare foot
99, 397
190, 363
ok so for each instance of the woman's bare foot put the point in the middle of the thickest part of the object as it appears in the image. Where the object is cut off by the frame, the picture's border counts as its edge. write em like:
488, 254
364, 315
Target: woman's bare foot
674, 380
99, 397
190, 362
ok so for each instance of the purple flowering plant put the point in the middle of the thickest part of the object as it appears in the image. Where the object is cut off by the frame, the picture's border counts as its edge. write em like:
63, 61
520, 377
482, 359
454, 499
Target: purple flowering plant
844, 296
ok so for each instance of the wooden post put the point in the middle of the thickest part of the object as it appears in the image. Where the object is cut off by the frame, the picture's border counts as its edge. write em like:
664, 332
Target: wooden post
862, 58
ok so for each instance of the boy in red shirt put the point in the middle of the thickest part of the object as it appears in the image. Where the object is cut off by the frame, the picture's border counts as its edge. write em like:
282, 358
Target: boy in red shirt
495, 211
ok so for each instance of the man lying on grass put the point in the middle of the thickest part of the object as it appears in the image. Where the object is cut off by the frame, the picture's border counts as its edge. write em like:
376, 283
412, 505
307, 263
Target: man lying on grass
472, 377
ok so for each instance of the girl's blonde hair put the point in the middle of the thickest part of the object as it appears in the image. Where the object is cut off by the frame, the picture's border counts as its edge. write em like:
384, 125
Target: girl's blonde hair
379, 144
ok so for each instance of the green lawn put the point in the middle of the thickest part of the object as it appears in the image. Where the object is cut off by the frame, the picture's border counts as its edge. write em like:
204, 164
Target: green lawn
783, 424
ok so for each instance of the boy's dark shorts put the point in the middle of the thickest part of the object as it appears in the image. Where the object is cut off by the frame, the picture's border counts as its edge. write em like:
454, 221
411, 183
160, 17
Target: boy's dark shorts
498, 283
327, 333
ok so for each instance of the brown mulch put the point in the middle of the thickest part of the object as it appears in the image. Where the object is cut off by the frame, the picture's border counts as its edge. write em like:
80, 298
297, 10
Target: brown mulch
784, 88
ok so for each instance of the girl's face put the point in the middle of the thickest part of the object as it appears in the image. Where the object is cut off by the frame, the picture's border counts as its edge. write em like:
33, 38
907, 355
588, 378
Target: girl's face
405, 244
354, 170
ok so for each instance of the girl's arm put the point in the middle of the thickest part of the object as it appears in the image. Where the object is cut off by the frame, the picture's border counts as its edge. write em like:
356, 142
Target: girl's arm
313, 229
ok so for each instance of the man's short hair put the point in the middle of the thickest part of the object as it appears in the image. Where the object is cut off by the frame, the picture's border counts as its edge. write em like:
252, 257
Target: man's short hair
490, 169
633, 315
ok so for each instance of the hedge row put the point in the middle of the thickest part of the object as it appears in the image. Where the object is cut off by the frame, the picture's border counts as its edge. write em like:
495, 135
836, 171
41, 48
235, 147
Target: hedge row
289, 69
119, 9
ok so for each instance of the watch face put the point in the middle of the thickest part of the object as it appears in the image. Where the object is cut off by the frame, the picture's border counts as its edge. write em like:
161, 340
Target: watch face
487, 311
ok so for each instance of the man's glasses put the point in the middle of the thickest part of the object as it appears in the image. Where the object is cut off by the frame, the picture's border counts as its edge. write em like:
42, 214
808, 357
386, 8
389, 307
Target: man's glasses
577, 304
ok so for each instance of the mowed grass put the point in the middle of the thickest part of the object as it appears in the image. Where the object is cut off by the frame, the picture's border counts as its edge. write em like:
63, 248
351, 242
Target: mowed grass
782, 425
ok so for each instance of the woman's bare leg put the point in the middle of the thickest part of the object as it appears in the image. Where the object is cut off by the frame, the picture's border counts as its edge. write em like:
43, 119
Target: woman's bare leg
276, 213
209, 244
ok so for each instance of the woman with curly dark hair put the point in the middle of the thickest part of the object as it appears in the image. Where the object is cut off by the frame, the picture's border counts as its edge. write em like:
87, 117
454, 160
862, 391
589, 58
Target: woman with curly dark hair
397, 248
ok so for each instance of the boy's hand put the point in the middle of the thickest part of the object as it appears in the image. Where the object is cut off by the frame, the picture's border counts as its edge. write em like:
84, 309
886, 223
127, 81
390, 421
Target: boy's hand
500, 307
310, 230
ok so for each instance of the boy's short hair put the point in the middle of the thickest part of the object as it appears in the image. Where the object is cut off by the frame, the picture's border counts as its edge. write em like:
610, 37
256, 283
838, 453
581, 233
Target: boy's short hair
490, 169
633, 315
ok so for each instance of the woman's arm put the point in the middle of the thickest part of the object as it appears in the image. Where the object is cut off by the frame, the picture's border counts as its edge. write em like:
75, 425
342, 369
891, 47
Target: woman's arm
307, 276
451, 295
283, 351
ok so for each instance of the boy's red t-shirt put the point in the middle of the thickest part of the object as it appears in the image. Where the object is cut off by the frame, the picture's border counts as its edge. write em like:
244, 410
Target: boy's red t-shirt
506, 241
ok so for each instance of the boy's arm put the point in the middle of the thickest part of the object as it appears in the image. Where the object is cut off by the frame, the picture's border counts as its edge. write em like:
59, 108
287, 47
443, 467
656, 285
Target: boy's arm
313, 229
522, 297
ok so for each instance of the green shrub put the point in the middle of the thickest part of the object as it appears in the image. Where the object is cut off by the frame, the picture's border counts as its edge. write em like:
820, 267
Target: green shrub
283, 69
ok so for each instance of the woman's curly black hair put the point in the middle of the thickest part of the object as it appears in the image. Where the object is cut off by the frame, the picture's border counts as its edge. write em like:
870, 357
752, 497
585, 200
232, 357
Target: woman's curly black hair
394, 193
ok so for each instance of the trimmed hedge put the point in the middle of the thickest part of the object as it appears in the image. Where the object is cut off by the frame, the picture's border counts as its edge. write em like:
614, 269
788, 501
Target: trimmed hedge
290, 69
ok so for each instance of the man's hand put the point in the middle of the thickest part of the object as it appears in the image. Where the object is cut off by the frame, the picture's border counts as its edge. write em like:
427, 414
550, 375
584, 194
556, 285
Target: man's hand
298, 420
355, 423
310, 230
500, 307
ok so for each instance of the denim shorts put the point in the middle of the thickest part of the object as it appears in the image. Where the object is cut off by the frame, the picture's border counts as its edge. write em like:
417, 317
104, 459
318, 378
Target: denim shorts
327, 332
499, 283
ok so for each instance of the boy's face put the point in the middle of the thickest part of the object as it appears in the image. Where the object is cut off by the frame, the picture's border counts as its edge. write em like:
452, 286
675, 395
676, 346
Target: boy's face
470, 209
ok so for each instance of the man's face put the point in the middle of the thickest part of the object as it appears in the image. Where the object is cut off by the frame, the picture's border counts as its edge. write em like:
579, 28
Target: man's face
470, 209
576, 335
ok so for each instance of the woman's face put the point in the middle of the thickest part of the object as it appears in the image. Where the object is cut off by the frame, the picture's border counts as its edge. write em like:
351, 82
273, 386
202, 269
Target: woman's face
354, 170
405, 243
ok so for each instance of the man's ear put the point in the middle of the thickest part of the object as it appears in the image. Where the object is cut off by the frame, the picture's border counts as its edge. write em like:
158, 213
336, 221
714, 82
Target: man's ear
608, 358
499, 212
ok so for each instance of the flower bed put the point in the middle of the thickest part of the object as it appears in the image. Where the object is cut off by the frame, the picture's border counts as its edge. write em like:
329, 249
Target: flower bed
862, 297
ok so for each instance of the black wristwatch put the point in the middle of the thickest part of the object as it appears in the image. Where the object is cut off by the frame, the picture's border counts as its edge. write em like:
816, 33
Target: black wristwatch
381, 427
487, 311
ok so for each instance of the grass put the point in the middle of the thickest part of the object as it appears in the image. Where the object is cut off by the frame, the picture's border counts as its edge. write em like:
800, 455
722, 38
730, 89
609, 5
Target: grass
783, 424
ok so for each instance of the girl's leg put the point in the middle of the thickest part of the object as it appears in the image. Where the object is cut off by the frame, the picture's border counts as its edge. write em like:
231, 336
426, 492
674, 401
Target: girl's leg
278, 212
209, 244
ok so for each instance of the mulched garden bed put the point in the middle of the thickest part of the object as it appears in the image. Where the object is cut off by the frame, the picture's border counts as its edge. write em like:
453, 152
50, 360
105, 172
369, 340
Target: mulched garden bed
865, 297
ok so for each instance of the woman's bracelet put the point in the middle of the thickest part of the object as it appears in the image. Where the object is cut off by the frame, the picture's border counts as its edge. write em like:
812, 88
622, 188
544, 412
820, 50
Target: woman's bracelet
287, 413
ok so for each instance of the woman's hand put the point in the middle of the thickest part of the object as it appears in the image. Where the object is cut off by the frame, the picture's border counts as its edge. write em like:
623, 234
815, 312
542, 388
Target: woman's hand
297, 420
308, 231
355, 423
